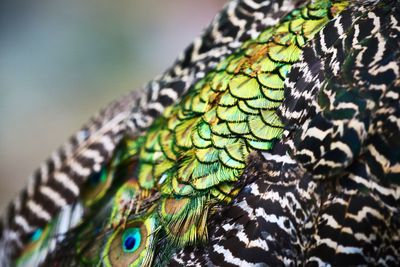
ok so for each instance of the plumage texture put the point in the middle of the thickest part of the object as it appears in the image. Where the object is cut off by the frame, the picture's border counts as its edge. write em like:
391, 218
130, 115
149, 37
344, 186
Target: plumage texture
284, 153
289, 213
58, 181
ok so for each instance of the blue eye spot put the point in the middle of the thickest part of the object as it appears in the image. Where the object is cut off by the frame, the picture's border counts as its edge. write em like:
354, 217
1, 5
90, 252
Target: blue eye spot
99, 177
36, 235
131, 239
130, 243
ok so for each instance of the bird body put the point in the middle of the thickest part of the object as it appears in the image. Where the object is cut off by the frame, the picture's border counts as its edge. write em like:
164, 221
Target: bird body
278, 154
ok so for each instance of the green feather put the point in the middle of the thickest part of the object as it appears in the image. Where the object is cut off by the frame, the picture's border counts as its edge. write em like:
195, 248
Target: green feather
193, 156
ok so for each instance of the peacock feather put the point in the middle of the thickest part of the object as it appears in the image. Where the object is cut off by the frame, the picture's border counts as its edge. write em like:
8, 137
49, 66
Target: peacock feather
192, 157
327, 194
58, 181
279, 154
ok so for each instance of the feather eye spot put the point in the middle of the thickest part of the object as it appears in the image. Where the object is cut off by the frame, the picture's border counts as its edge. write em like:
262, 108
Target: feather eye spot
36, 235
131, 239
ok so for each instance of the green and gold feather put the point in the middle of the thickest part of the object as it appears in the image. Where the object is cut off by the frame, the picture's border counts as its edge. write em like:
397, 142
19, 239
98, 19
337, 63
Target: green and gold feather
192, 157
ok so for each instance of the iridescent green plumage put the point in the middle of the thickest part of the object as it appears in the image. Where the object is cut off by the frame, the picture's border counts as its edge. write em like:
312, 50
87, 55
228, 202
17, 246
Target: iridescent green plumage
198, 149
192, 157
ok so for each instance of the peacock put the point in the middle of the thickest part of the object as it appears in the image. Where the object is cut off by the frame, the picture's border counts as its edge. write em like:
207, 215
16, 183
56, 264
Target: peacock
274, 139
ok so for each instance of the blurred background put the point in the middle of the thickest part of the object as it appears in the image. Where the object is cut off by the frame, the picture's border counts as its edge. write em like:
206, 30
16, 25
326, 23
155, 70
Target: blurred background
61, 61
